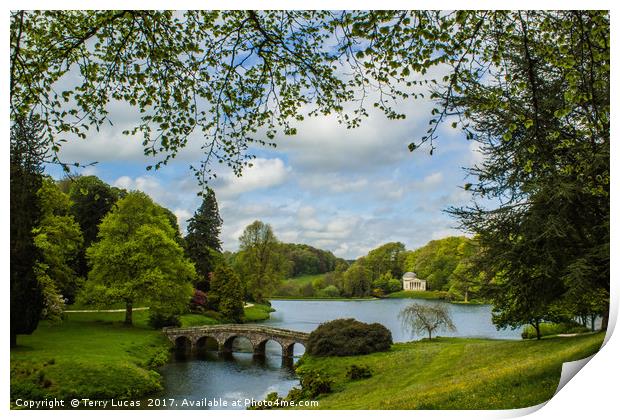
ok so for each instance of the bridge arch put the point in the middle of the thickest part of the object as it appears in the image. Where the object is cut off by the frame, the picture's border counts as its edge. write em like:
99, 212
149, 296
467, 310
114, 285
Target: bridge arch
183, 345
229, 341
261, 347
207, 343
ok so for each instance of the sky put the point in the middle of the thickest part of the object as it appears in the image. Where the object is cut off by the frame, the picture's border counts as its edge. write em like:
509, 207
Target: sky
344, 190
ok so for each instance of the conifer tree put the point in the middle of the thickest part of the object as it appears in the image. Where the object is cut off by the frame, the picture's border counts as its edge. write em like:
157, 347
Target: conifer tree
26, 294
202, 242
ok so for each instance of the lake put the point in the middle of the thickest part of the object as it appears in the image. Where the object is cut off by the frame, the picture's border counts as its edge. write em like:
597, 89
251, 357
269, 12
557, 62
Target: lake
216, 378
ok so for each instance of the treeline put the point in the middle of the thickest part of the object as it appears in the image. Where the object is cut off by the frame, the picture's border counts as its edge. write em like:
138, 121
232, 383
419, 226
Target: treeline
305, 259
446, 264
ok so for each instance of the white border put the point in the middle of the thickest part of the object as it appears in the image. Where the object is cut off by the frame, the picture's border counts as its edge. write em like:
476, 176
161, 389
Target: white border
592, 394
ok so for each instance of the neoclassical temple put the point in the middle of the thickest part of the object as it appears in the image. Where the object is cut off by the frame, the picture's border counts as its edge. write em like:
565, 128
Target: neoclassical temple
412, 282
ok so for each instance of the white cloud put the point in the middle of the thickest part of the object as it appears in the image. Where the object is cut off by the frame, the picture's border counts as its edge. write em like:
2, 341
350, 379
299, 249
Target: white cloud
264, 173
182, 217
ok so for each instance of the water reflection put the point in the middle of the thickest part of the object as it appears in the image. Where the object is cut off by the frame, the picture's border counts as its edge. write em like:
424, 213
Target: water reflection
228, 377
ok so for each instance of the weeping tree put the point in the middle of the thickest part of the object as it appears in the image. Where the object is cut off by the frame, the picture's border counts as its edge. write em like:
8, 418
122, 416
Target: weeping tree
419, 318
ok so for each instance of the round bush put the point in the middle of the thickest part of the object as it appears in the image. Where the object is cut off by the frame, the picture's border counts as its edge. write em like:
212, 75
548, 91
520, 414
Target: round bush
348, 337
159, 320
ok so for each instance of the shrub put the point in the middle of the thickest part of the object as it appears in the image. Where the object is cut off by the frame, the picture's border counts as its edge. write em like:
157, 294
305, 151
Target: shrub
355, 372
394, 285
286, 289
159, 320
295, 394
198, 302
330, 291
314, 384
348, 337
306, 290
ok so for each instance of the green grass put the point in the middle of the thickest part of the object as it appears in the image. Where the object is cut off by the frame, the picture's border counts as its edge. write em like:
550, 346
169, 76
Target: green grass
254, 313
193, 320
412, 294
453, 373
89, 355
257, 312
94, 355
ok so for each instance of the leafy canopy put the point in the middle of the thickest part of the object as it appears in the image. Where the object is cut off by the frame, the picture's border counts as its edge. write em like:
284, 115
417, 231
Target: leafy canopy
137, 258
236, 77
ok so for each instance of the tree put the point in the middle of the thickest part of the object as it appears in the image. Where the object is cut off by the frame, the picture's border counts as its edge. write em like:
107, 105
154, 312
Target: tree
385, 283
226, 294
305, 259
172, 219
357, 280
531, 87
59, 239
424, 318
541, 117
386, 258
137, 258
437, 260
262, 67
260, 260
92, 199
27, 151
467, 277
202, 242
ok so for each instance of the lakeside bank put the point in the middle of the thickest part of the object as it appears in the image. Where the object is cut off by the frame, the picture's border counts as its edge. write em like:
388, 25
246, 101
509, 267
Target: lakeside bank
451, 373
95, 355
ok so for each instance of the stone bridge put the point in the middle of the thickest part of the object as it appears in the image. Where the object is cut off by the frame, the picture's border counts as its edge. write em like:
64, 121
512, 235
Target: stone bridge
194, 339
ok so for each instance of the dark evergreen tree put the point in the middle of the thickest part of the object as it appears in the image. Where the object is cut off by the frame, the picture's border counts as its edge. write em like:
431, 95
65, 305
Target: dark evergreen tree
543, 127
27, 153
202, 242
92, 200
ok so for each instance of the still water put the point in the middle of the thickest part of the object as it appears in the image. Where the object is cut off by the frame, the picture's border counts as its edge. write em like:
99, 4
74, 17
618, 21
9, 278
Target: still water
215, 379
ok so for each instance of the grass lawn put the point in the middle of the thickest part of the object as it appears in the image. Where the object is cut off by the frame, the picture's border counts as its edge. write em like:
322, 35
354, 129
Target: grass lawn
94, 355
413, 294
257, 312
193, 320
453, 373
89, 355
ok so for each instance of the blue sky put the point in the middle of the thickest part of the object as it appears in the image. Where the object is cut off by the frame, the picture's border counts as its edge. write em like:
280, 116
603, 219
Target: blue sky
345, 190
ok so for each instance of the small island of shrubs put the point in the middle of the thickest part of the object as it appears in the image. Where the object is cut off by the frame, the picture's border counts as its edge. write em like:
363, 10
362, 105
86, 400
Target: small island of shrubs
348, 337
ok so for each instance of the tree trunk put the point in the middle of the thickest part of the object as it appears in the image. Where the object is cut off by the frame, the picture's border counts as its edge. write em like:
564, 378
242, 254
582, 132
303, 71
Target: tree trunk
605, 319
13, 339
430, 337
537, 328
466, 293
128, 313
